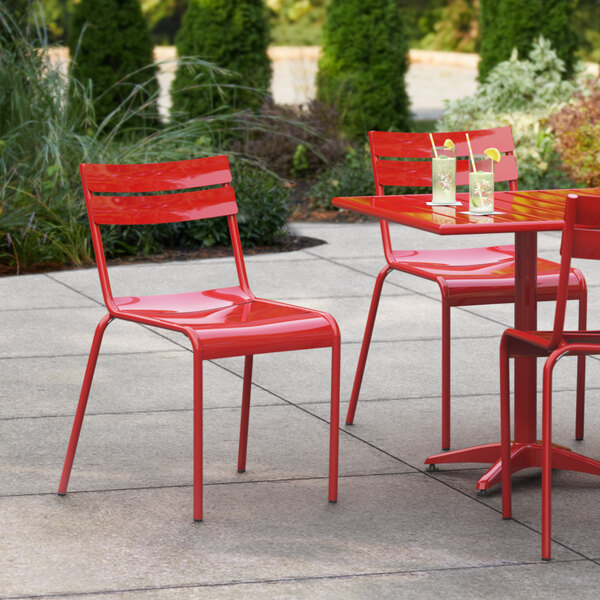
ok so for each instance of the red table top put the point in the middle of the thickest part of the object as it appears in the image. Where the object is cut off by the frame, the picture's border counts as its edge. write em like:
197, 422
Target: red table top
523, 210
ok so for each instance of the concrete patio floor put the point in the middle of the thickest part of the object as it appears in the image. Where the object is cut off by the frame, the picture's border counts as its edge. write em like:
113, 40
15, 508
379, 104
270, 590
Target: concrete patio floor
125, 528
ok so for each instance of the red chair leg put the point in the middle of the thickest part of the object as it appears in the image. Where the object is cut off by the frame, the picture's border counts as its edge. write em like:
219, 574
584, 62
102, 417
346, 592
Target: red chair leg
445, 374
580, 403
81, 406
334, 420
547, 456
245, 413
364, 349
505, 430
197, 434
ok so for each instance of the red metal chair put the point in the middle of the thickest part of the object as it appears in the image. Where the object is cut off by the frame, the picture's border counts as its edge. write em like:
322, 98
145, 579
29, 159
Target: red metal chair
222, 322
581, 239
466, 277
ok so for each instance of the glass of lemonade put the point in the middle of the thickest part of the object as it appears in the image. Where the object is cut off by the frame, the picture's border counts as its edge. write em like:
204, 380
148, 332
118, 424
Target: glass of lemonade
481, 185
443, 175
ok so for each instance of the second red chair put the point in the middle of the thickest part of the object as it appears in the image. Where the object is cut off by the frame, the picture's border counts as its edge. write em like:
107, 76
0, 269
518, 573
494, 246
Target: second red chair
220, 322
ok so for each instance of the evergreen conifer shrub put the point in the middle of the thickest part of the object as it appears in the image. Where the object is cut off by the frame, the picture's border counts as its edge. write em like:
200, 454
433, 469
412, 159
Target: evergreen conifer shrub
509, 24
110, 47
364, 62
234, 35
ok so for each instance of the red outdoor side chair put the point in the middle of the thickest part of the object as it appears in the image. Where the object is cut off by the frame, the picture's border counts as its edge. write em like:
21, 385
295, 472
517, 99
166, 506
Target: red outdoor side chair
219, 323
581, 239
466, 277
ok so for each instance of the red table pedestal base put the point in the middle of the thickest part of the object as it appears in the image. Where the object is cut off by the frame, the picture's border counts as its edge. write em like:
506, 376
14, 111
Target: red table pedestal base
523, 456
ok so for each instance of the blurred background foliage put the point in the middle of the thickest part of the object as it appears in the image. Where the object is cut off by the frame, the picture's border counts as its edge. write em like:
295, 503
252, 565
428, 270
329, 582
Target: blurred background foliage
365, 79
49, 125
111, 47
450, 25
235, 35
285, 158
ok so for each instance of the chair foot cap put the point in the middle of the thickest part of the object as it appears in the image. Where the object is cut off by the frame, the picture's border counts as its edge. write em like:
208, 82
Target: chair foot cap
241, 470
332, 501
507, 518
446, 449
197, 520
577, 440
349, 422
61, 493
546, 559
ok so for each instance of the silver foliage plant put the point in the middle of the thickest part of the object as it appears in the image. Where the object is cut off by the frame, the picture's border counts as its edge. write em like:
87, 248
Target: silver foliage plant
521, 93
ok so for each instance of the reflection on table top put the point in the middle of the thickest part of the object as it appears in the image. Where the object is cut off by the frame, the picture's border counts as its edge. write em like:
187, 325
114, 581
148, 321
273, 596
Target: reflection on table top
523, 210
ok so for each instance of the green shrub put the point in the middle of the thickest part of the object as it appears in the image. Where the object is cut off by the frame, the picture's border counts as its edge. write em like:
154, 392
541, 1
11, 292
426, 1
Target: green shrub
353, 176
263, 205
262, 213
110, 47
297, 22
455, 27
363, 66
42, 213
510, 24
587, 23
38, 146
576, 127
17, 13
233, 34
294, 142
522, 94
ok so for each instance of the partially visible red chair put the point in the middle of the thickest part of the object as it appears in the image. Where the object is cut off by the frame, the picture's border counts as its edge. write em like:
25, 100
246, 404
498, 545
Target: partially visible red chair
581, 239
219, 323
466, 277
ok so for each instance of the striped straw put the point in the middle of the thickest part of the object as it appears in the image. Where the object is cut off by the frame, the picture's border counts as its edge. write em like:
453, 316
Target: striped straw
471, 154
433, 146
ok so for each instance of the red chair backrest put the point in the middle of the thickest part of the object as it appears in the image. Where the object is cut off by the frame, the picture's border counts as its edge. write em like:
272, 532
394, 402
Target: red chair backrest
580, 239
108, 190
386, 146
155, 193
584, 219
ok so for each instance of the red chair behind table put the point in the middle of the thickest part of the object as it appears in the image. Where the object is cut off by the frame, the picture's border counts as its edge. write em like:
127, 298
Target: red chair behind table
466, 277
219, 323
581, 239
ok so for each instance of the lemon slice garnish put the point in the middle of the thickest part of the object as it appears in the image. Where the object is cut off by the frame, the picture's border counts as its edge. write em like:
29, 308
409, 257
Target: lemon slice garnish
449, 144
493, 153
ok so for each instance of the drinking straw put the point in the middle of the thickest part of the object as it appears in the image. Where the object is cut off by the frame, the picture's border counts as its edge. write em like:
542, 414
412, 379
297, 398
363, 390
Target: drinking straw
433, 146
471, 154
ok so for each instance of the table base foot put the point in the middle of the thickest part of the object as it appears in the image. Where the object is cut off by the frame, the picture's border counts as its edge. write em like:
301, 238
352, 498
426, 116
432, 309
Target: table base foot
523, 456
486, 453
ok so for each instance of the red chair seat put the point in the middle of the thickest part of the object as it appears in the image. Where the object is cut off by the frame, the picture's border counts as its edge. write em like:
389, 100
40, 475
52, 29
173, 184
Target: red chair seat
540, 343
229, 322
474, 276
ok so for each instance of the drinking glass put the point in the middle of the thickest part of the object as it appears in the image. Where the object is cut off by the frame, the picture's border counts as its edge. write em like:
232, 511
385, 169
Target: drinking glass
481, 185
443, 175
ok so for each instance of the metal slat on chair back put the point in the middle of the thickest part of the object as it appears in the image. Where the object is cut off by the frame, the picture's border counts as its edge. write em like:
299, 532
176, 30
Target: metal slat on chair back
387, 146
586, 228
580, 239
131, 194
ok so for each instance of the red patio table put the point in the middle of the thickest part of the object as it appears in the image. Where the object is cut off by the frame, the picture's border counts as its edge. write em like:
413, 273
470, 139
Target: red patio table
523, 213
